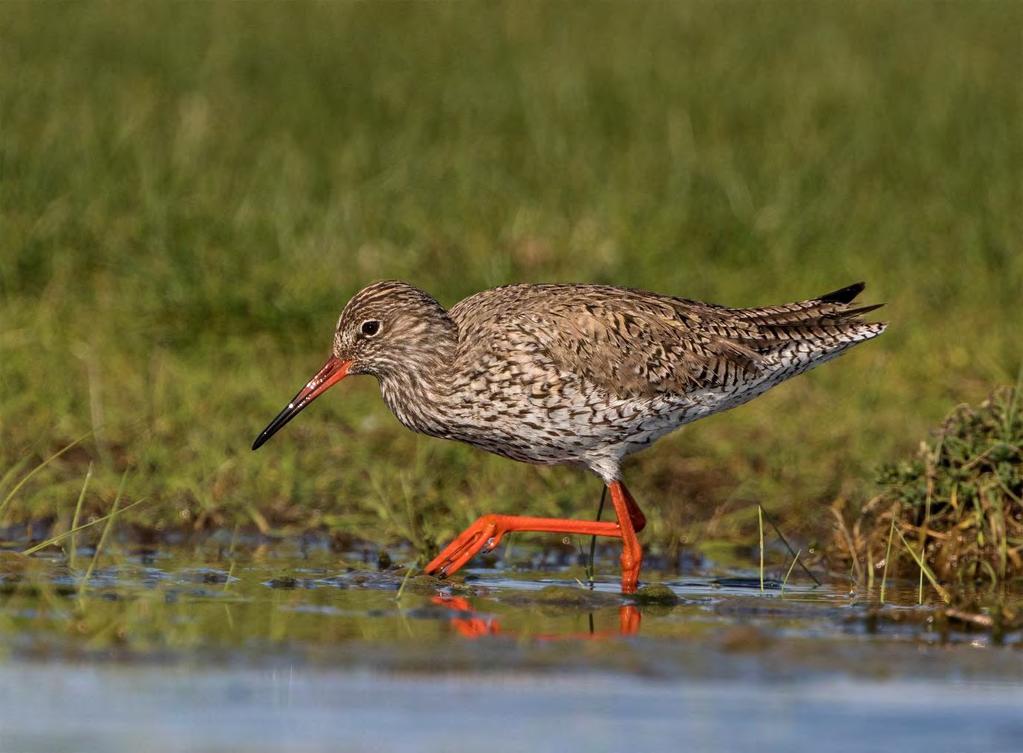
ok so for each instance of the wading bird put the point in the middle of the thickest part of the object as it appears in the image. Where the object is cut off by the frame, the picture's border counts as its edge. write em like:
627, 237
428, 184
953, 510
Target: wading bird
579, 375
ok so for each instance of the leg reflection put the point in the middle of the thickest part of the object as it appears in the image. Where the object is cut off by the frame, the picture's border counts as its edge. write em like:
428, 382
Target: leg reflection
470, 624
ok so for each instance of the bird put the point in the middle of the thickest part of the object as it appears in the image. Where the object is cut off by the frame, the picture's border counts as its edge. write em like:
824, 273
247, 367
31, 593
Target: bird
571, 374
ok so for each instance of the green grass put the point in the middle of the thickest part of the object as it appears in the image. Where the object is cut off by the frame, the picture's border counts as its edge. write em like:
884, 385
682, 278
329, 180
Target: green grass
190, 192
958, 499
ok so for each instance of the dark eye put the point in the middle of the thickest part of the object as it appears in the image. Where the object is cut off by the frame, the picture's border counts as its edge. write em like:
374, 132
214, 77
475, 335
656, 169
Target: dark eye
370, 327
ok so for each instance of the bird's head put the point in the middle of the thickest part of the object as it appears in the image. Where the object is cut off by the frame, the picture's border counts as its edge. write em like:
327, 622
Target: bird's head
387, 328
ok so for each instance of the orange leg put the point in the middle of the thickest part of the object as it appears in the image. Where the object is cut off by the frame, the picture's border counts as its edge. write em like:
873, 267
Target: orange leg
467, 626
635, 514
632, 552
629, 620
486, 533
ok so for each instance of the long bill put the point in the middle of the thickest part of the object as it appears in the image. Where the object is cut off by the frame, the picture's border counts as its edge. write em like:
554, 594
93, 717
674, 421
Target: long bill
333, 371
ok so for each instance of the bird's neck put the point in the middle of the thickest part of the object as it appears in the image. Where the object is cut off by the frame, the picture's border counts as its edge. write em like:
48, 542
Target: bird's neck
418, 392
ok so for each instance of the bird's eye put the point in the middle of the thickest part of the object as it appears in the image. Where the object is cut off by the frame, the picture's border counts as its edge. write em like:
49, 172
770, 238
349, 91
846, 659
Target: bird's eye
370, 327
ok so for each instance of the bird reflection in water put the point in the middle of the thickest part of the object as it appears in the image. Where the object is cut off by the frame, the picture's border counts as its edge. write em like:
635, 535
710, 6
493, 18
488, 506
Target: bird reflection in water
469, 623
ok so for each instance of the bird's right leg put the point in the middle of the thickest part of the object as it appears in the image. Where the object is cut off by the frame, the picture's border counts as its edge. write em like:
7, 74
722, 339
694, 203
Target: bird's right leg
486, 533
635, 514
627, 511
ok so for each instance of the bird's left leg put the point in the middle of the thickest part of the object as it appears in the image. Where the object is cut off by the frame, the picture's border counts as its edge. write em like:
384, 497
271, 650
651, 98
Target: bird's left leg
486, 533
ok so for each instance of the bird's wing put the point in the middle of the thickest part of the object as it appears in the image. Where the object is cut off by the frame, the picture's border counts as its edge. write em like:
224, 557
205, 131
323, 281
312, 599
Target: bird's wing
623, 341
631, 342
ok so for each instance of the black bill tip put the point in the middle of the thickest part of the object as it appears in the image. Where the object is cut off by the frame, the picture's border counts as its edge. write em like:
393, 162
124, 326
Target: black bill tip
332, 372
293, 409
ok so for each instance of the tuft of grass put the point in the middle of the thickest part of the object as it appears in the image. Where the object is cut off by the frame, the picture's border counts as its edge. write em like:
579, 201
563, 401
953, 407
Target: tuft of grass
960, 497
924, 571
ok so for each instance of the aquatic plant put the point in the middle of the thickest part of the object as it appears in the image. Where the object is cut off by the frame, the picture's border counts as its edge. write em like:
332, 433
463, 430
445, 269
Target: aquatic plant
958, 501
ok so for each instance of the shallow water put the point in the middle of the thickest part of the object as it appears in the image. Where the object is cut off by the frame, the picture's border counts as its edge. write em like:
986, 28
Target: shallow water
280, 648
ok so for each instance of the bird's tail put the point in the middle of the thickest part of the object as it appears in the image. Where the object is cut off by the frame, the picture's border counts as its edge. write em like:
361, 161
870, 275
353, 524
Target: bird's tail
794, 337
828, 320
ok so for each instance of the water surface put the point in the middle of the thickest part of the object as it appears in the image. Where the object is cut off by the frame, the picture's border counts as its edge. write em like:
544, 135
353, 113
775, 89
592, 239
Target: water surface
289, 648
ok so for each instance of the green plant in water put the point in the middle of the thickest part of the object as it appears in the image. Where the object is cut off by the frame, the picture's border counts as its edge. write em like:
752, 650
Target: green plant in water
957, 505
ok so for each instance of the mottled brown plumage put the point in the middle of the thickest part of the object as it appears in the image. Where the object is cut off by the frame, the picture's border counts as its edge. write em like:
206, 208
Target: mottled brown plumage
573, 374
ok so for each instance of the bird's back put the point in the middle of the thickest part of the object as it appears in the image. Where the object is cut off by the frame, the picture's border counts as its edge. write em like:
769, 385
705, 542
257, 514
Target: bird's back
632, 342
557, 373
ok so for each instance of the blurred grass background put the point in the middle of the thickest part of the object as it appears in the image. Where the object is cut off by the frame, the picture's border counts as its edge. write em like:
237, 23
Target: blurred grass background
190, 192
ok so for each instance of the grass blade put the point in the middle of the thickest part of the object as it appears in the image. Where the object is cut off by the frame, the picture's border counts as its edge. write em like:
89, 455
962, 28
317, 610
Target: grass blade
793, 552
789, 571
925, 569
24, 479
11, 472
404, 581
887, 558
760, 522
73, 556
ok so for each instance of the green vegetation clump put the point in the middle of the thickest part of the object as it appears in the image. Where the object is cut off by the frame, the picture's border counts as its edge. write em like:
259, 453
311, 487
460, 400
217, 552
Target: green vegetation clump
958, 500
657, 594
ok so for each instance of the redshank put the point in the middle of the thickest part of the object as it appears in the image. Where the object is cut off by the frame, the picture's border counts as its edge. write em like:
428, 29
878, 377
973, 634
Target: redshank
580, 375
